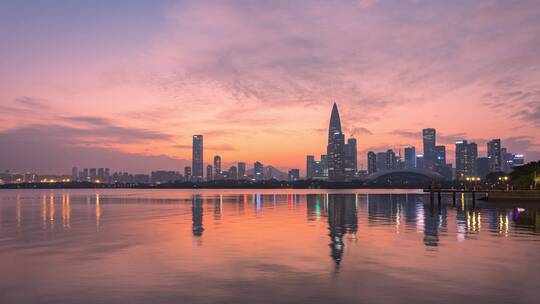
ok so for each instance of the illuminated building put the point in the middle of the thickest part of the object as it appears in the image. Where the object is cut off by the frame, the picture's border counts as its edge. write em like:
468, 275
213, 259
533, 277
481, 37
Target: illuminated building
335, 148
466, 157
258, 171
351, 161
494, 155
197, 158
242, 170
429, 139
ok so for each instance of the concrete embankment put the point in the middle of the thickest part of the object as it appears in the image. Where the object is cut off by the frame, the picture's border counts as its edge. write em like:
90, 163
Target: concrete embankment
515, 195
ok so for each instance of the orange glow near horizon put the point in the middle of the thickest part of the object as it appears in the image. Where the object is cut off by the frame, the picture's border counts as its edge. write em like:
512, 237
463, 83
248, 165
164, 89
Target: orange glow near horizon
259, 83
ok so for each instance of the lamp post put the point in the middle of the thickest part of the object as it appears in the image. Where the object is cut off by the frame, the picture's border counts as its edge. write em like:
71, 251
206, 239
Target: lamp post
504, 180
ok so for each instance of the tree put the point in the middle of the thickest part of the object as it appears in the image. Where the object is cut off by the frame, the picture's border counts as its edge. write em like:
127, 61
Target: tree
522, 177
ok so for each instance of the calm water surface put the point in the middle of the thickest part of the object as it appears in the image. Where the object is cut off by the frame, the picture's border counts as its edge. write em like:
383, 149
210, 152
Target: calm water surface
271, 246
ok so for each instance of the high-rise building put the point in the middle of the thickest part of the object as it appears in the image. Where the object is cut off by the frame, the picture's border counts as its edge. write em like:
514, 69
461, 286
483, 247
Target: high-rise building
390, 160
440, 160
420, 161
482, 167
429, 139
242, 170
258, 171
351, 159
74, 173
507, 161
197, 158
323, 166
85, 175
93, 174
335, 148
294, 175
372, 162
494, 155
101, 174
233, 173
217, 166
310, 166
410, 158
381, 161
466, 158
209, 173
187, 173
519, 160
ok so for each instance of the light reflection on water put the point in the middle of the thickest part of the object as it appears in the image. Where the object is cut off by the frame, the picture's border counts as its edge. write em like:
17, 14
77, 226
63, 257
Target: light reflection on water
136, 246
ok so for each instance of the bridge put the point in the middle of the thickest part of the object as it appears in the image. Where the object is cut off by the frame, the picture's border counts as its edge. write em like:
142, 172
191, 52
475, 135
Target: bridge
413, 175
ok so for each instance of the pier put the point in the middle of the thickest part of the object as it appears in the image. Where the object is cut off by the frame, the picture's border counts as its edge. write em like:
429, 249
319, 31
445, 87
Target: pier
489, 195
439, 193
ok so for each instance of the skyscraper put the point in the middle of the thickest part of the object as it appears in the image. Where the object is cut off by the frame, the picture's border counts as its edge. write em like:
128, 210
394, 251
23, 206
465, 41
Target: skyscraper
429, 139
494, 155
390, 160
241, 170
420, 161
381, 161
233, 173
258, 171
440, 158
217, 166
466, 159
410, 158
372, 162
197, 158
351, 161
310, 166
209, 173
335, 148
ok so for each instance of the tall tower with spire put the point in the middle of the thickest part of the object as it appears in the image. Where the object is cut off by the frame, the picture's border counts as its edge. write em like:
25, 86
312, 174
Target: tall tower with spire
335, 148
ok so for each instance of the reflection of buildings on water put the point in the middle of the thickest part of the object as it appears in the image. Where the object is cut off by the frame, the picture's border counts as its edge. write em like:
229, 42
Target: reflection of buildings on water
381, 208
197, 215
342, 219
218, 205
316, 204
435, 221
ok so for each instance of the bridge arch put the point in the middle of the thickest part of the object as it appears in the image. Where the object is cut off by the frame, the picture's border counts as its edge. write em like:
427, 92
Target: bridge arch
401, 175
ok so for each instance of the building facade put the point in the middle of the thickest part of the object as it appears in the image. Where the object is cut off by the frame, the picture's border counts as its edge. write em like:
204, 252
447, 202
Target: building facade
372, 162
197, 158
335, 148
429, 139
410, 158
494, 155
466, 159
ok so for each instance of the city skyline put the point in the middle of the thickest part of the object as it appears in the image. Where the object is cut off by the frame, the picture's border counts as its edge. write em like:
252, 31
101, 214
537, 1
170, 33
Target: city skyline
127, 96
339, 164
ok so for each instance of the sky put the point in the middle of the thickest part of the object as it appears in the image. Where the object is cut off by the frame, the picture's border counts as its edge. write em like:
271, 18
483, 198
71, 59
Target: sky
125, 84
